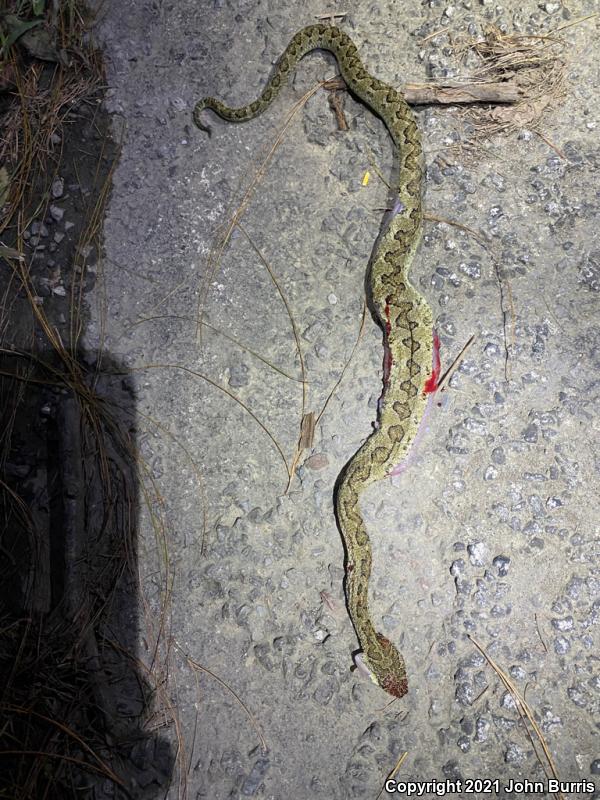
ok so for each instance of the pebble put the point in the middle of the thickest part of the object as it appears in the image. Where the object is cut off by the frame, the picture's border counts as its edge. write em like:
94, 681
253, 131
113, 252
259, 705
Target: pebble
257, 774
325, 691
58, 188
482, 727
262, 655
238, 376
534, 476
561, 645
514, 754
577, 696
566, 624
435, 709
536, 505
178, 104
465, 694
498, 455
575, 587
507, 701
457, 567
501, 563
38, 229
530, 433
477, 553
57, 213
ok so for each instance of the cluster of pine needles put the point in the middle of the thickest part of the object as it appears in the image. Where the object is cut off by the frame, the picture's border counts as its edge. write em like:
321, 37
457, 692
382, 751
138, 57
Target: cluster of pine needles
61, 728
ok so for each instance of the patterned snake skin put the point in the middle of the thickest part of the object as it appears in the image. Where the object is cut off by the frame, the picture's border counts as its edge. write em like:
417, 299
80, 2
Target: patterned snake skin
411, 365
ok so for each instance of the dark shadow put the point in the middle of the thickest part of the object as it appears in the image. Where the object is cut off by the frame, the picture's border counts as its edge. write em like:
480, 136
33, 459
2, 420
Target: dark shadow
73, 698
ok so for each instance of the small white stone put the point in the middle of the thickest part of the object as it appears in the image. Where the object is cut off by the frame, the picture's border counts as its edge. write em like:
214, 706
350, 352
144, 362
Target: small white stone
58, 187
332, 298
478, 553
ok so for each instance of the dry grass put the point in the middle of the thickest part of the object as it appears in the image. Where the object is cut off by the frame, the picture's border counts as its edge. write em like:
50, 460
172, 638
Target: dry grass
536, 64
39, 107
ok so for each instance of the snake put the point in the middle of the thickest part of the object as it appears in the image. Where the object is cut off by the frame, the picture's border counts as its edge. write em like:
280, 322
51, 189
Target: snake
411, 357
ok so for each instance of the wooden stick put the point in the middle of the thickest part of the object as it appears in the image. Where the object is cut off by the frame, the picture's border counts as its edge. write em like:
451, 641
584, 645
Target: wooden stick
336, 103
453, 94
459, 93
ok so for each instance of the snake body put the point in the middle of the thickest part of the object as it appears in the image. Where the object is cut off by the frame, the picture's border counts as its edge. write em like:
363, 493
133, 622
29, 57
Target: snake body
411, 363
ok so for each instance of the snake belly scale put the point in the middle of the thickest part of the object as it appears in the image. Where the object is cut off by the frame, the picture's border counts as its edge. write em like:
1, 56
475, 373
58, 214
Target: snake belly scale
410, 370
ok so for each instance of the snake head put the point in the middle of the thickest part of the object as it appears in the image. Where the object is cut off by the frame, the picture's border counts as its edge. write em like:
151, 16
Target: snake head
385, 667
391, 671
395, 686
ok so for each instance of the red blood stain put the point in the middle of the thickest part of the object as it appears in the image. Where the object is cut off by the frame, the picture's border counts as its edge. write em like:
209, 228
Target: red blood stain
396, 687
432, 382
388, 324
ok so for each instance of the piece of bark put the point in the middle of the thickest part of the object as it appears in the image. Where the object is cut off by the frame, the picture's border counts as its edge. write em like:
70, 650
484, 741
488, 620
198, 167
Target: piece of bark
489, 92
452, 94
337, 104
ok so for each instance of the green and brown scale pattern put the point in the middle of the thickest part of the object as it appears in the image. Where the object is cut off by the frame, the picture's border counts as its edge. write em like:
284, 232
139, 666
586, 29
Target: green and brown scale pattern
404, 316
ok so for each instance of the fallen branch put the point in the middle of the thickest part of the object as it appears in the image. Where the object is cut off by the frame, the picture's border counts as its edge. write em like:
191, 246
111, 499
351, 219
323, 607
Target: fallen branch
460, 93
452, 93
